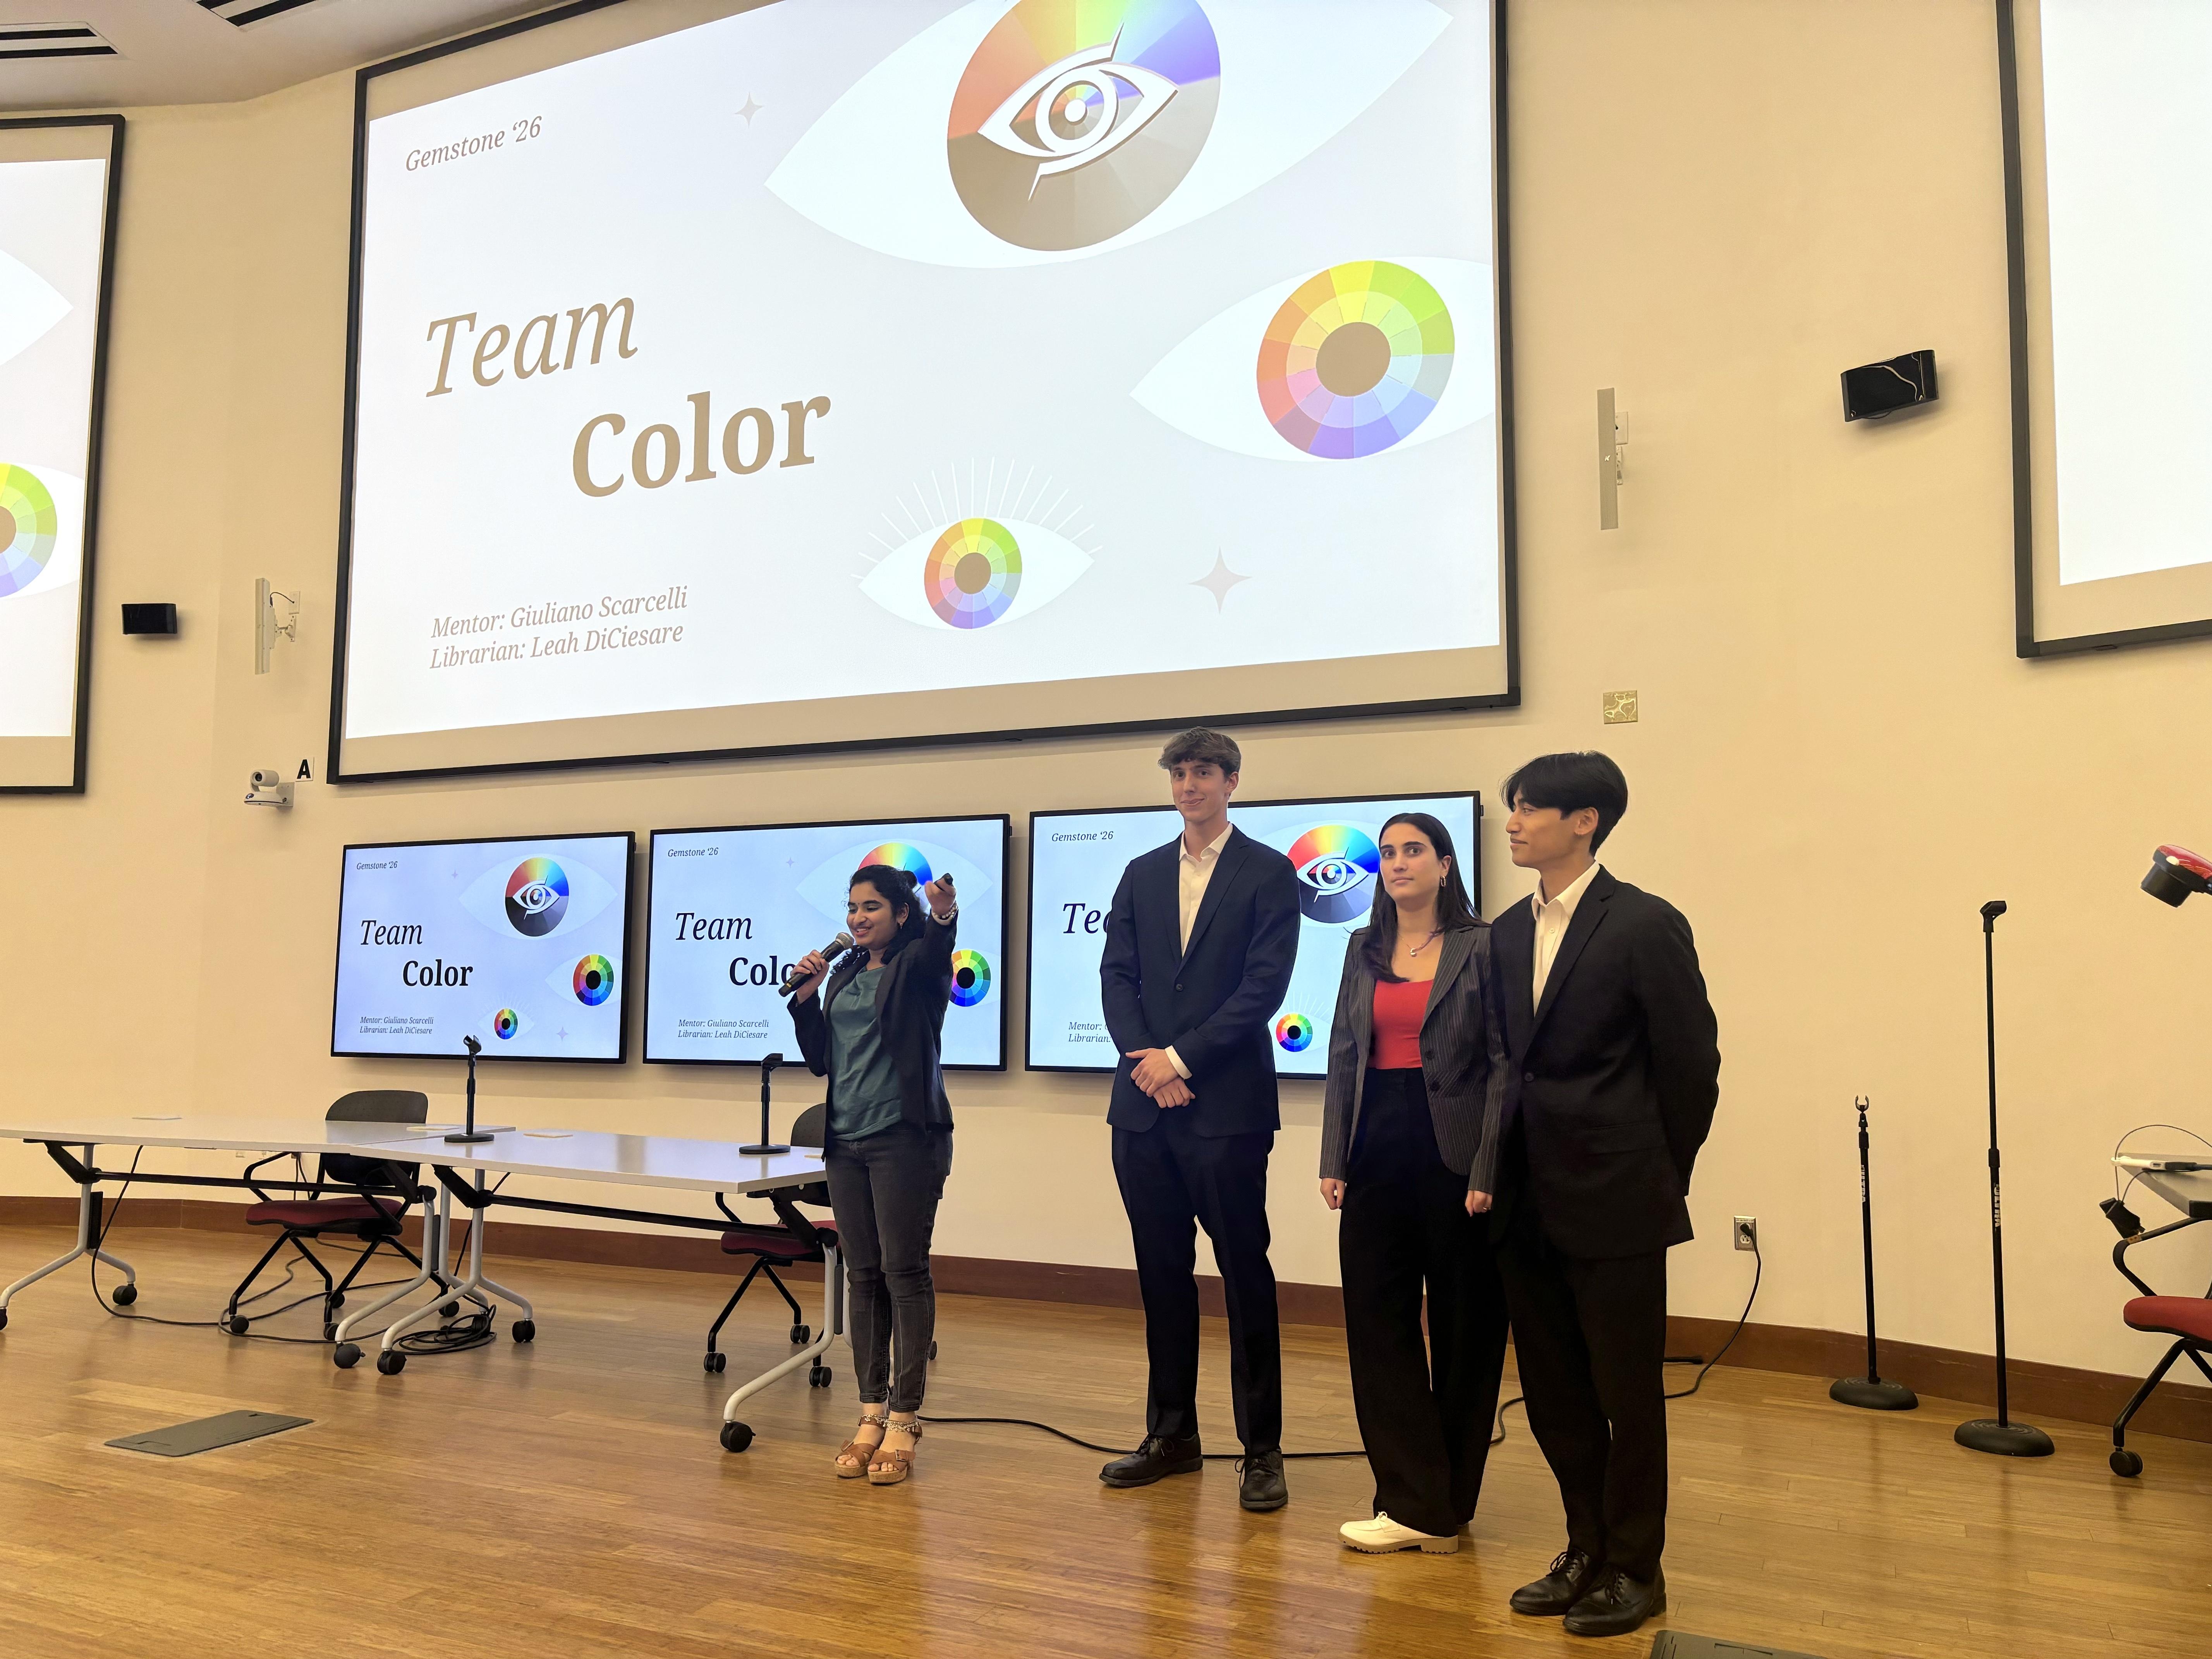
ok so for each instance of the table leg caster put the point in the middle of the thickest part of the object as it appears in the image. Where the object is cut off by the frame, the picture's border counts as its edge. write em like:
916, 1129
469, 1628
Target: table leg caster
125, 1295
236, 1326
714, 1362
447, 1309
524, 1330
2125, 1462
735, 1437
391, 1362
818, 1377
3, 1318
800, 1334
346, 1356
932, 1351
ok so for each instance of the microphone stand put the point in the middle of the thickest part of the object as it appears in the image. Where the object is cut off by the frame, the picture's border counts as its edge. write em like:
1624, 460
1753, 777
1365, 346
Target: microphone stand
471, 1133
1869, 1391
766, 1148
1999, 1435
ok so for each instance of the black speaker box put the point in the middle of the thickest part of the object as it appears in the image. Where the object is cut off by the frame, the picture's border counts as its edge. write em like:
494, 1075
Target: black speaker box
1874, 389
149, 619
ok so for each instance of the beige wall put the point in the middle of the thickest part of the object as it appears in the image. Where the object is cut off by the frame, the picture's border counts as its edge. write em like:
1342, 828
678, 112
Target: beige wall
1717, 205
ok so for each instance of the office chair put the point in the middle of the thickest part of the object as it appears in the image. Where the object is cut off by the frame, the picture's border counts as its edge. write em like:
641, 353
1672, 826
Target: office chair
798, 1239
2187, 1319
371, 1205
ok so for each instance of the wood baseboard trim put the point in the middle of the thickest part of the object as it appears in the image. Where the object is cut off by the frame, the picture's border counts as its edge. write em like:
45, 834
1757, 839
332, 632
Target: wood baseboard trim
2062, 1392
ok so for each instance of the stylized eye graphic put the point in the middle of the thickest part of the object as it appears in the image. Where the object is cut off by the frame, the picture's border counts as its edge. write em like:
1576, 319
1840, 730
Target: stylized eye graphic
508, 1023
971, 978
1149, 115
29, 527
1294, 1032
538, 897
1336, 868
1347, 362
978, 569
30, 306
593, 980
827, 886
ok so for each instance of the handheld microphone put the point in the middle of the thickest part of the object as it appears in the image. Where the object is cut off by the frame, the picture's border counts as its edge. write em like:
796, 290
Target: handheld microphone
836, 948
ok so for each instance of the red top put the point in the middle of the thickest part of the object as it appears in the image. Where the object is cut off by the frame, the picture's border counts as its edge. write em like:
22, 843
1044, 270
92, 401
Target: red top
1398, 1011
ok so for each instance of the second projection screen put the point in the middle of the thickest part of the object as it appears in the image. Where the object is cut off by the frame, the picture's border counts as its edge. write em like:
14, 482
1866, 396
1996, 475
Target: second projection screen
842, 371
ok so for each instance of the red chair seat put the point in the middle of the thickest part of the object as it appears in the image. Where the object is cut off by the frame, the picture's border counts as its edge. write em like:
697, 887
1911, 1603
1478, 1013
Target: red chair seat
2189, 1316
773, 1242
308, 1213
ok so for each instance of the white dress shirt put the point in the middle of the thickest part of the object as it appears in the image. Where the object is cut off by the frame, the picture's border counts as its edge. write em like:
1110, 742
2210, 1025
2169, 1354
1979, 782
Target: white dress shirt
1552, 923
1194, 871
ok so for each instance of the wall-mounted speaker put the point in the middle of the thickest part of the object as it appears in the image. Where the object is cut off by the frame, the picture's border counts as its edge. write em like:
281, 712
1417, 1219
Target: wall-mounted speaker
1874, 389
157, 619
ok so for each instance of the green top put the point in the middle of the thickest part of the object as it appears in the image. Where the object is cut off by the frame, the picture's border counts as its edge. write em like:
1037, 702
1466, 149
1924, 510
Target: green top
863, 1094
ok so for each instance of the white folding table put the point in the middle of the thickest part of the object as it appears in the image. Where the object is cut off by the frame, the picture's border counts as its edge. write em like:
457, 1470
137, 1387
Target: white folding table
651, 1161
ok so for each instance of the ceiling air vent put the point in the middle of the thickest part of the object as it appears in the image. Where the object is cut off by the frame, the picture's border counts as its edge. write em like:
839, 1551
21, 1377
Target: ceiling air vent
52, 40
243, 12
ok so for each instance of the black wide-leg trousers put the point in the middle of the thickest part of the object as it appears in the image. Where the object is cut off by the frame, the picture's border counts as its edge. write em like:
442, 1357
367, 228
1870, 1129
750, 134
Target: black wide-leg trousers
1590, 1338
1173, 1180
1425, 1406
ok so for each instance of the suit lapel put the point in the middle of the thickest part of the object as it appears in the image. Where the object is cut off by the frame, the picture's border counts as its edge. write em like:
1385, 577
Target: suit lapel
1589, 915
1459, 945
1226, 863
1162, 907
1513, 941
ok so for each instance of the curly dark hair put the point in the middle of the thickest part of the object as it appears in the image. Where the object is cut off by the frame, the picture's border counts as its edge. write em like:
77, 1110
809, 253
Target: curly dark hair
898, 889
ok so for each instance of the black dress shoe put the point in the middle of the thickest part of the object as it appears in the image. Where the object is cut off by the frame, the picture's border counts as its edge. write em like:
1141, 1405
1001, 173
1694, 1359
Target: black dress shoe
1259, 1483
1617, 1604
1558, 1590
1154, 1459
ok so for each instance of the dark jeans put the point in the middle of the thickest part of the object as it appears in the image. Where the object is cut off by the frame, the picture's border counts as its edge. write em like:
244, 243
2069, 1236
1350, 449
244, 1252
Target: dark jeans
1590, 1339
883, 1191
1426, 1407
1173, 1181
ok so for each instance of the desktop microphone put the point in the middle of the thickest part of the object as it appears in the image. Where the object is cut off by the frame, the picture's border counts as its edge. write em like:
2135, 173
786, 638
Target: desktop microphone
836, 948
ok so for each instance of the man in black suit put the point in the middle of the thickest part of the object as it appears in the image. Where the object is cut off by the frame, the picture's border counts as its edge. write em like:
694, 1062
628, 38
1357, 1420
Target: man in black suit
1199, 944
1615, 1076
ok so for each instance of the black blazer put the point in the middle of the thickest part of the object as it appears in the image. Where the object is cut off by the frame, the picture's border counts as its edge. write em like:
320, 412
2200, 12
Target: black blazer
1211, 1003
1614, 1075
910, 1002
1463, 1057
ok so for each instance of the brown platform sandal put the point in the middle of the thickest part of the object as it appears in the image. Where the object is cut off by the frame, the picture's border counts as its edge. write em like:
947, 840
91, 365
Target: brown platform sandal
854, 1471
890, 1468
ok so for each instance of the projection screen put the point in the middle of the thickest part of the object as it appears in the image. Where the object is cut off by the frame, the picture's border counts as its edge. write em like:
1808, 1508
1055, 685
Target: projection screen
729, 379
58, 189
2107, 152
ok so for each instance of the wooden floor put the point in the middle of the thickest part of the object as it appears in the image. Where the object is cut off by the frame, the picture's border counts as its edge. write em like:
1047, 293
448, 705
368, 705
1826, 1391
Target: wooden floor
569, 1498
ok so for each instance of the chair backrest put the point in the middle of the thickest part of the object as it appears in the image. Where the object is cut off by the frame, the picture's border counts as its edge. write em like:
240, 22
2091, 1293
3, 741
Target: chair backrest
809, 1130
375, 1106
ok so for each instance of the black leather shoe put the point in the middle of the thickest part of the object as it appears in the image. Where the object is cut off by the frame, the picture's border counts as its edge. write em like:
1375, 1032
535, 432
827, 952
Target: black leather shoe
1558, 1590
1154, 1459
1259, 1483
1617, 1604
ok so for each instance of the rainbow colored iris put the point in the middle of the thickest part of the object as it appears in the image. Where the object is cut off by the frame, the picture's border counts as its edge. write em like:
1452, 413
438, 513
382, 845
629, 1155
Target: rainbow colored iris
537, 896
594, 980
1294, 1032
1355, 359
973, 573
505, 1023
971, 978
28, 526
1336, 868
901, 855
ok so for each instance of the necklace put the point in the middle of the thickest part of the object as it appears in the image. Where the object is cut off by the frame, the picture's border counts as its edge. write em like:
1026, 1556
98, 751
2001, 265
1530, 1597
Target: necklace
1434, 934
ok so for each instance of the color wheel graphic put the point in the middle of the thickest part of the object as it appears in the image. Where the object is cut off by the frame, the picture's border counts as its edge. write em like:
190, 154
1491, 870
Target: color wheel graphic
900, 855
971, 978
1336, 866
27, 525
537, 896
1075, 119
1355, 359
505, 1023
1294, 1032
973, 573
594, 980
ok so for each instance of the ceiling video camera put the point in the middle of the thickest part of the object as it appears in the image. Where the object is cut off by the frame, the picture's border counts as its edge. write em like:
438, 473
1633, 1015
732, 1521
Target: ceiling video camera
2175, 873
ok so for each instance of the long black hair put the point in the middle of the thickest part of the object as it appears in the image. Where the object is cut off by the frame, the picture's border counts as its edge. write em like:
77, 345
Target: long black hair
1453, 911
896, 887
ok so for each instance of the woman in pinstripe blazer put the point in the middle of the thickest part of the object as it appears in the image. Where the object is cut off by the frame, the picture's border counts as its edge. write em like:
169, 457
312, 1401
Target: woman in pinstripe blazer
1409, 1141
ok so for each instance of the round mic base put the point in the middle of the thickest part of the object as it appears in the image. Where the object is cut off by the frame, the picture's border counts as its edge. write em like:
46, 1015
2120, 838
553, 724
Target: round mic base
763, 1151
1872, 1396
460, 1137
1986, 1434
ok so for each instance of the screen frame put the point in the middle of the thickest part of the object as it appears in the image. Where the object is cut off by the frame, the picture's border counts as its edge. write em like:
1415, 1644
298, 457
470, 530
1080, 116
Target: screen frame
1470, 863
1509, 576
1006, 821
2027, 643
621, 1056
111, 219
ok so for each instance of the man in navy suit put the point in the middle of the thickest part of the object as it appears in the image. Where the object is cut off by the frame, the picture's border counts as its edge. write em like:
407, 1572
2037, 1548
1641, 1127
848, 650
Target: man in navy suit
1200, 945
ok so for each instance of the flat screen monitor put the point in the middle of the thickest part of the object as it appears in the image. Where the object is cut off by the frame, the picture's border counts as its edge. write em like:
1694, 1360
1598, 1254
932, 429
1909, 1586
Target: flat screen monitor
1076, 861
521, 943
730, 910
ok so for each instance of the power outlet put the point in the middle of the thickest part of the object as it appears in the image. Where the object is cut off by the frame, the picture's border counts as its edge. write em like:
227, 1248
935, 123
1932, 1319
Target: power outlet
1747, 1233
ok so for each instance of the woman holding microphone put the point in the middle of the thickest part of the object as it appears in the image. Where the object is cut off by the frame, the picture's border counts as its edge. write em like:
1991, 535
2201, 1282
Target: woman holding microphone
1409, 1142
874, 1032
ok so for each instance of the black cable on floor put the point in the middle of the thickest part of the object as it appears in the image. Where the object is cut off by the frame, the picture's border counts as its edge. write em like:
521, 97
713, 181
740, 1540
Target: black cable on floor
1759, 1267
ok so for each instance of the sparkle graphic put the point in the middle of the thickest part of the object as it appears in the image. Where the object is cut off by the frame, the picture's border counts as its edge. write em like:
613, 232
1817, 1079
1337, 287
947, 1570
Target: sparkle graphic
750, 109
1218, 580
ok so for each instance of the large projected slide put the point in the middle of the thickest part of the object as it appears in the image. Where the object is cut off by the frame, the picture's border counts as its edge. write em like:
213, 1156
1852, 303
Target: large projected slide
58, 188
732, 910
521, 943
737, 378
2108, 153
1076, 861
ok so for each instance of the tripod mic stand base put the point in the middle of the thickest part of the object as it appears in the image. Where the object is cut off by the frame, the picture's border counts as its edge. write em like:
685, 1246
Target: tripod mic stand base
763, 1151
1876, 1396
460, 1136
1986, 1434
